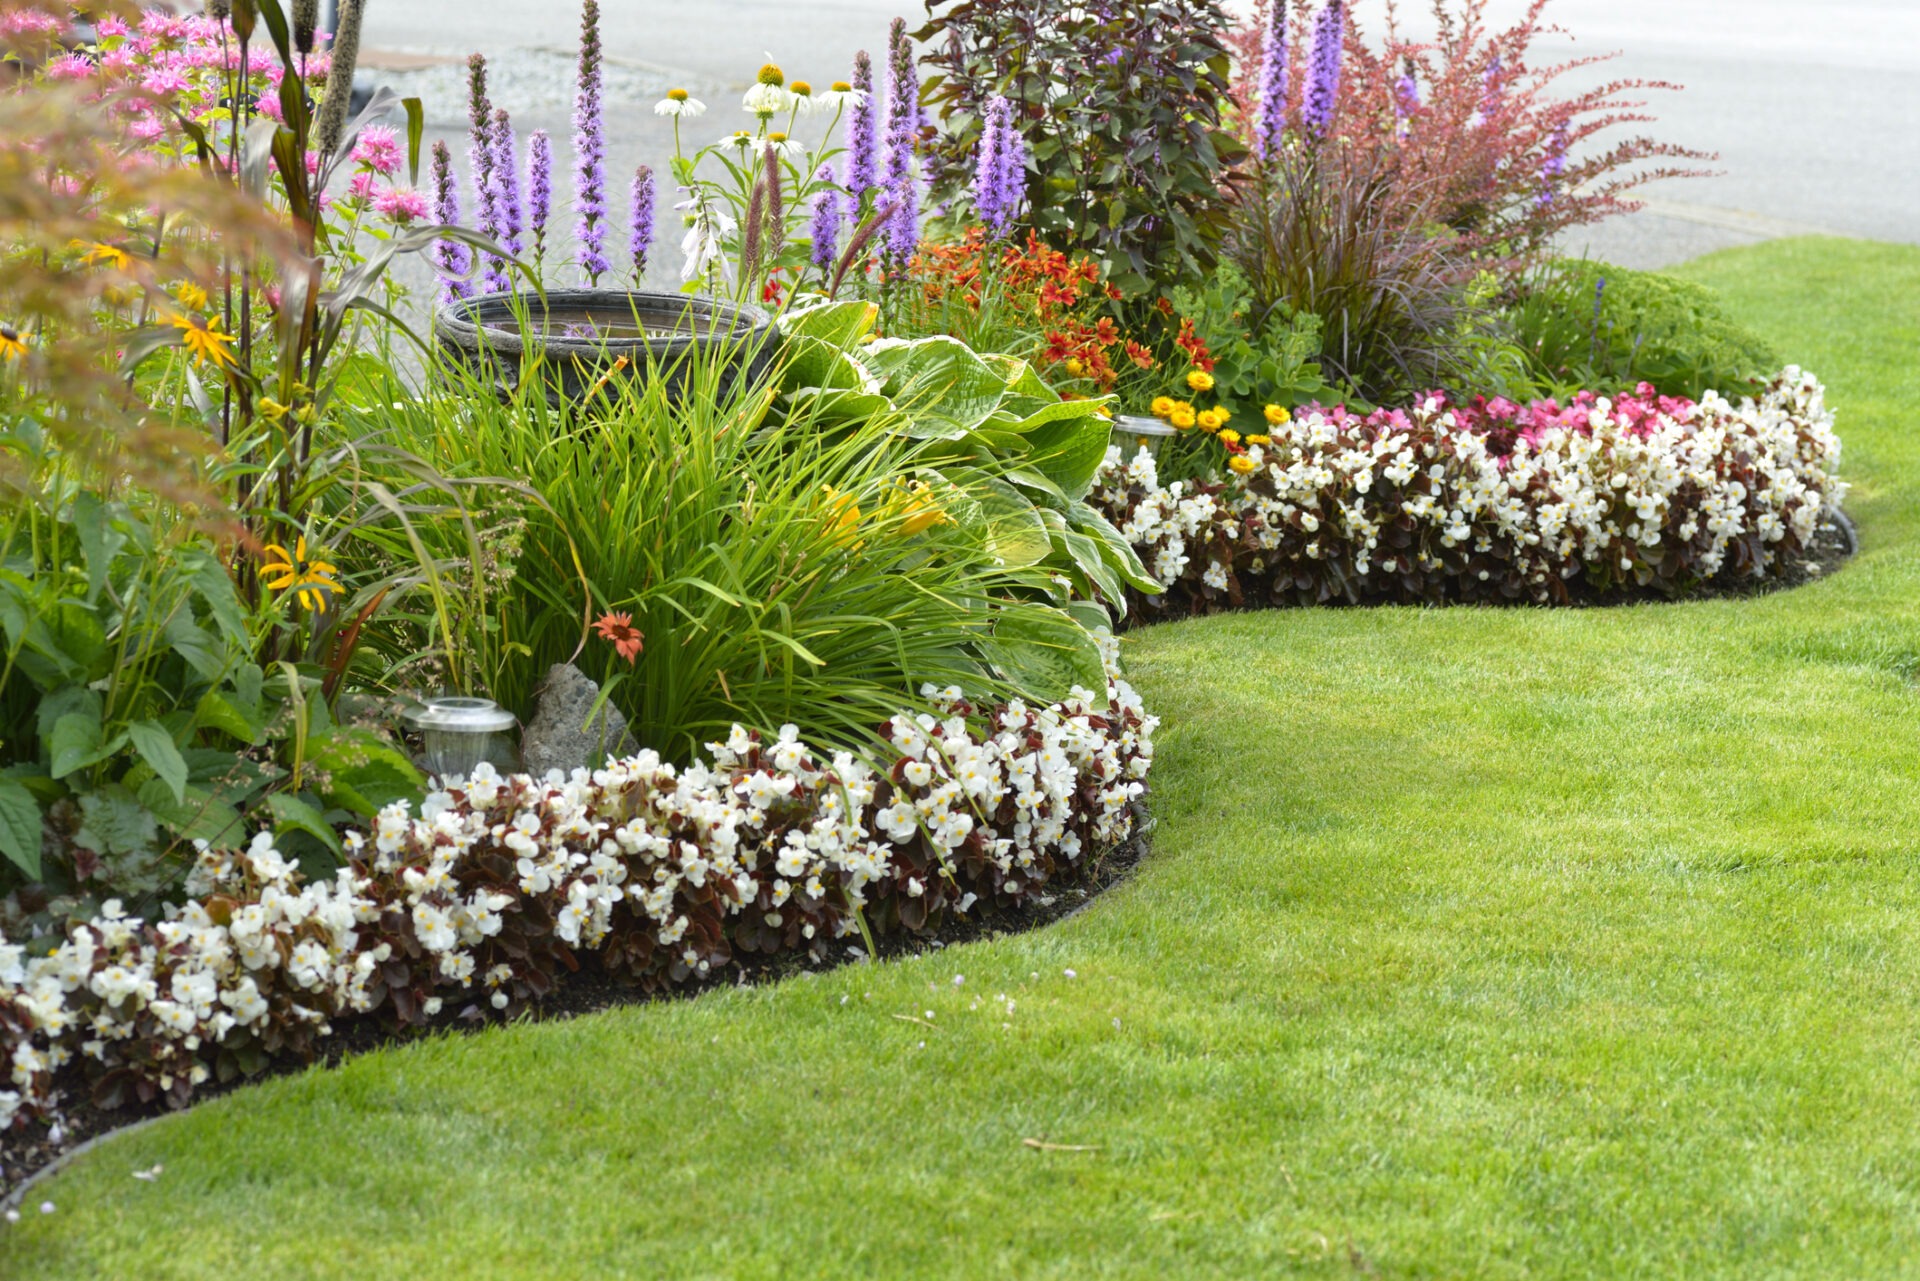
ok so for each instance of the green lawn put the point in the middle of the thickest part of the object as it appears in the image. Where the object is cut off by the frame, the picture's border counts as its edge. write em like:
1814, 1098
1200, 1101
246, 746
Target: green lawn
1473, 943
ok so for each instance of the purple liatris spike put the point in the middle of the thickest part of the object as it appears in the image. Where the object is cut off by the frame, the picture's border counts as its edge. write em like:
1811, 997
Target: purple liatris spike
826, 221
454, 259
896, 168
641, 229
590, 150
506, 177
1270, 122
481, 154
999, 182
861, 174
539, 188
1323, 70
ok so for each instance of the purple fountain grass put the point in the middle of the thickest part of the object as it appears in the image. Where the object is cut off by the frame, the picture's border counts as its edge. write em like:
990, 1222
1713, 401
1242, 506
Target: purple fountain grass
590, 150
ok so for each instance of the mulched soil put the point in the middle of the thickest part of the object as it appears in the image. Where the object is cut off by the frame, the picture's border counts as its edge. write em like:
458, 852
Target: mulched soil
23, 1154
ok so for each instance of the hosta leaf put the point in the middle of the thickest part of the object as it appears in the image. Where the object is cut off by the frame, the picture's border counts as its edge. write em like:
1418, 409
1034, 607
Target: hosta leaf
1045, 652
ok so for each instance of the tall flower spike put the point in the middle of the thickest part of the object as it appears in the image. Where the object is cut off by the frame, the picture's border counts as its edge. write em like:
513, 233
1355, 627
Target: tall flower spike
590, 150
539, 189
1270, 122
861, 132
506, 176
1013, 169
826, 221
454, 259
1323, 73
640, 241
999, 180
896, 171
480, 156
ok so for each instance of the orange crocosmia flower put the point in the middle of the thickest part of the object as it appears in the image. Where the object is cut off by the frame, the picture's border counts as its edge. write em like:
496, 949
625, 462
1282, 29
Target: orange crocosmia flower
617, 626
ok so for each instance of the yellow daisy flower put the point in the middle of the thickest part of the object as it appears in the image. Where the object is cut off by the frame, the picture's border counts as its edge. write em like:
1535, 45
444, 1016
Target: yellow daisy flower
1181, 416
191, 296
12, 345
1242, 464
1199, 380
1229, 437
1277, 415
1211, 419
1259, 440
204, 340
310, 580
100, 254
1162, 406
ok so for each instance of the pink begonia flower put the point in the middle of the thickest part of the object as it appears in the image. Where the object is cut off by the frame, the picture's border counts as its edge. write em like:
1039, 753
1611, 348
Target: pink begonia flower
401, 205
378, 149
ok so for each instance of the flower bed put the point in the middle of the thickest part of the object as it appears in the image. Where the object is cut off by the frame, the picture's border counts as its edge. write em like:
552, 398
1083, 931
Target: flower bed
1489, 502
498, 885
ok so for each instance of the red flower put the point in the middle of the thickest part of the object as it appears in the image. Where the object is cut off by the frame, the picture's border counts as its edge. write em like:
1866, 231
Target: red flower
1107, 333
1140, 355
619, 628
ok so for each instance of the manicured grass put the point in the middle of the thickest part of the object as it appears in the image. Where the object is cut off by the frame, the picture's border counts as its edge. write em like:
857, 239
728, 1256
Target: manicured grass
1474, 943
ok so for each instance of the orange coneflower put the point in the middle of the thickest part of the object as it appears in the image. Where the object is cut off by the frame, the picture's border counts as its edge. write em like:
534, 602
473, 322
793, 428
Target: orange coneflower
618, 627
12, 345
204, 339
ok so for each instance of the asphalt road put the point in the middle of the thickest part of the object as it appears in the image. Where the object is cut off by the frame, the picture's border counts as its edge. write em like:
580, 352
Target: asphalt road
1813, 107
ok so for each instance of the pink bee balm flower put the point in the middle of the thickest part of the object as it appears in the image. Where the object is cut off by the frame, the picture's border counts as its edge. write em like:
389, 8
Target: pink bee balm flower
147, 128
378, 149
401, 205
70, 66
362, 186
164, 82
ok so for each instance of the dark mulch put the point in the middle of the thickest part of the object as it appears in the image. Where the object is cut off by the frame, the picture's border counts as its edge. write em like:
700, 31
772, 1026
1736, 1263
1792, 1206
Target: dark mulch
24, 1154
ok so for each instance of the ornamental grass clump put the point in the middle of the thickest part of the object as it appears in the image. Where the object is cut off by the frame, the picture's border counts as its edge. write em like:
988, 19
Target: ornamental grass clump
1491, 501
1468, 129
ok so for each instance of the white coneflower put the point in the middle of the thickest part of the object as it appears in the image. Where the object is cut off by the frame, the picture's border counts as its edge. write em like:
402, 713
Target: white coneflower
787, 148
738, 138
679, 102
839, 97
802, 97
768, 96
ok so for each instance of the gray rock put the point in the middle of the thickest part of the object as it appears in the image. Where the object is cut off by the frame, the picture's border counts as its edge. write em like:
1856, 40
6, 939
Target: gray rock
559, 737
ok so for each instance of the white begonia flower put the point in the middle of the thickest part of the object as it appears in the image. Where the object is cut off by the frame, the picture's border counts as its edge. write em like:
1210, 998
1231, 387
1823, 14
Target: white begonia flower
679, 102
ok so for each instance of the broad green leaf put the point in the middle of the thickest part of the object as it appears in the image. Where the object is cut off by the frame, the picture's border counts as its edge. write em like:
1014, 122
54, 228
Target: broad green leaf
20, 827
292, 813
1114, 546
74, 743
114, 822
224, 712
840, 324
365, 773
1046, 653
1086, 555
197, 815
938, 382
817, 364
156, 748
1069, 452
1015, 532
204, 652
